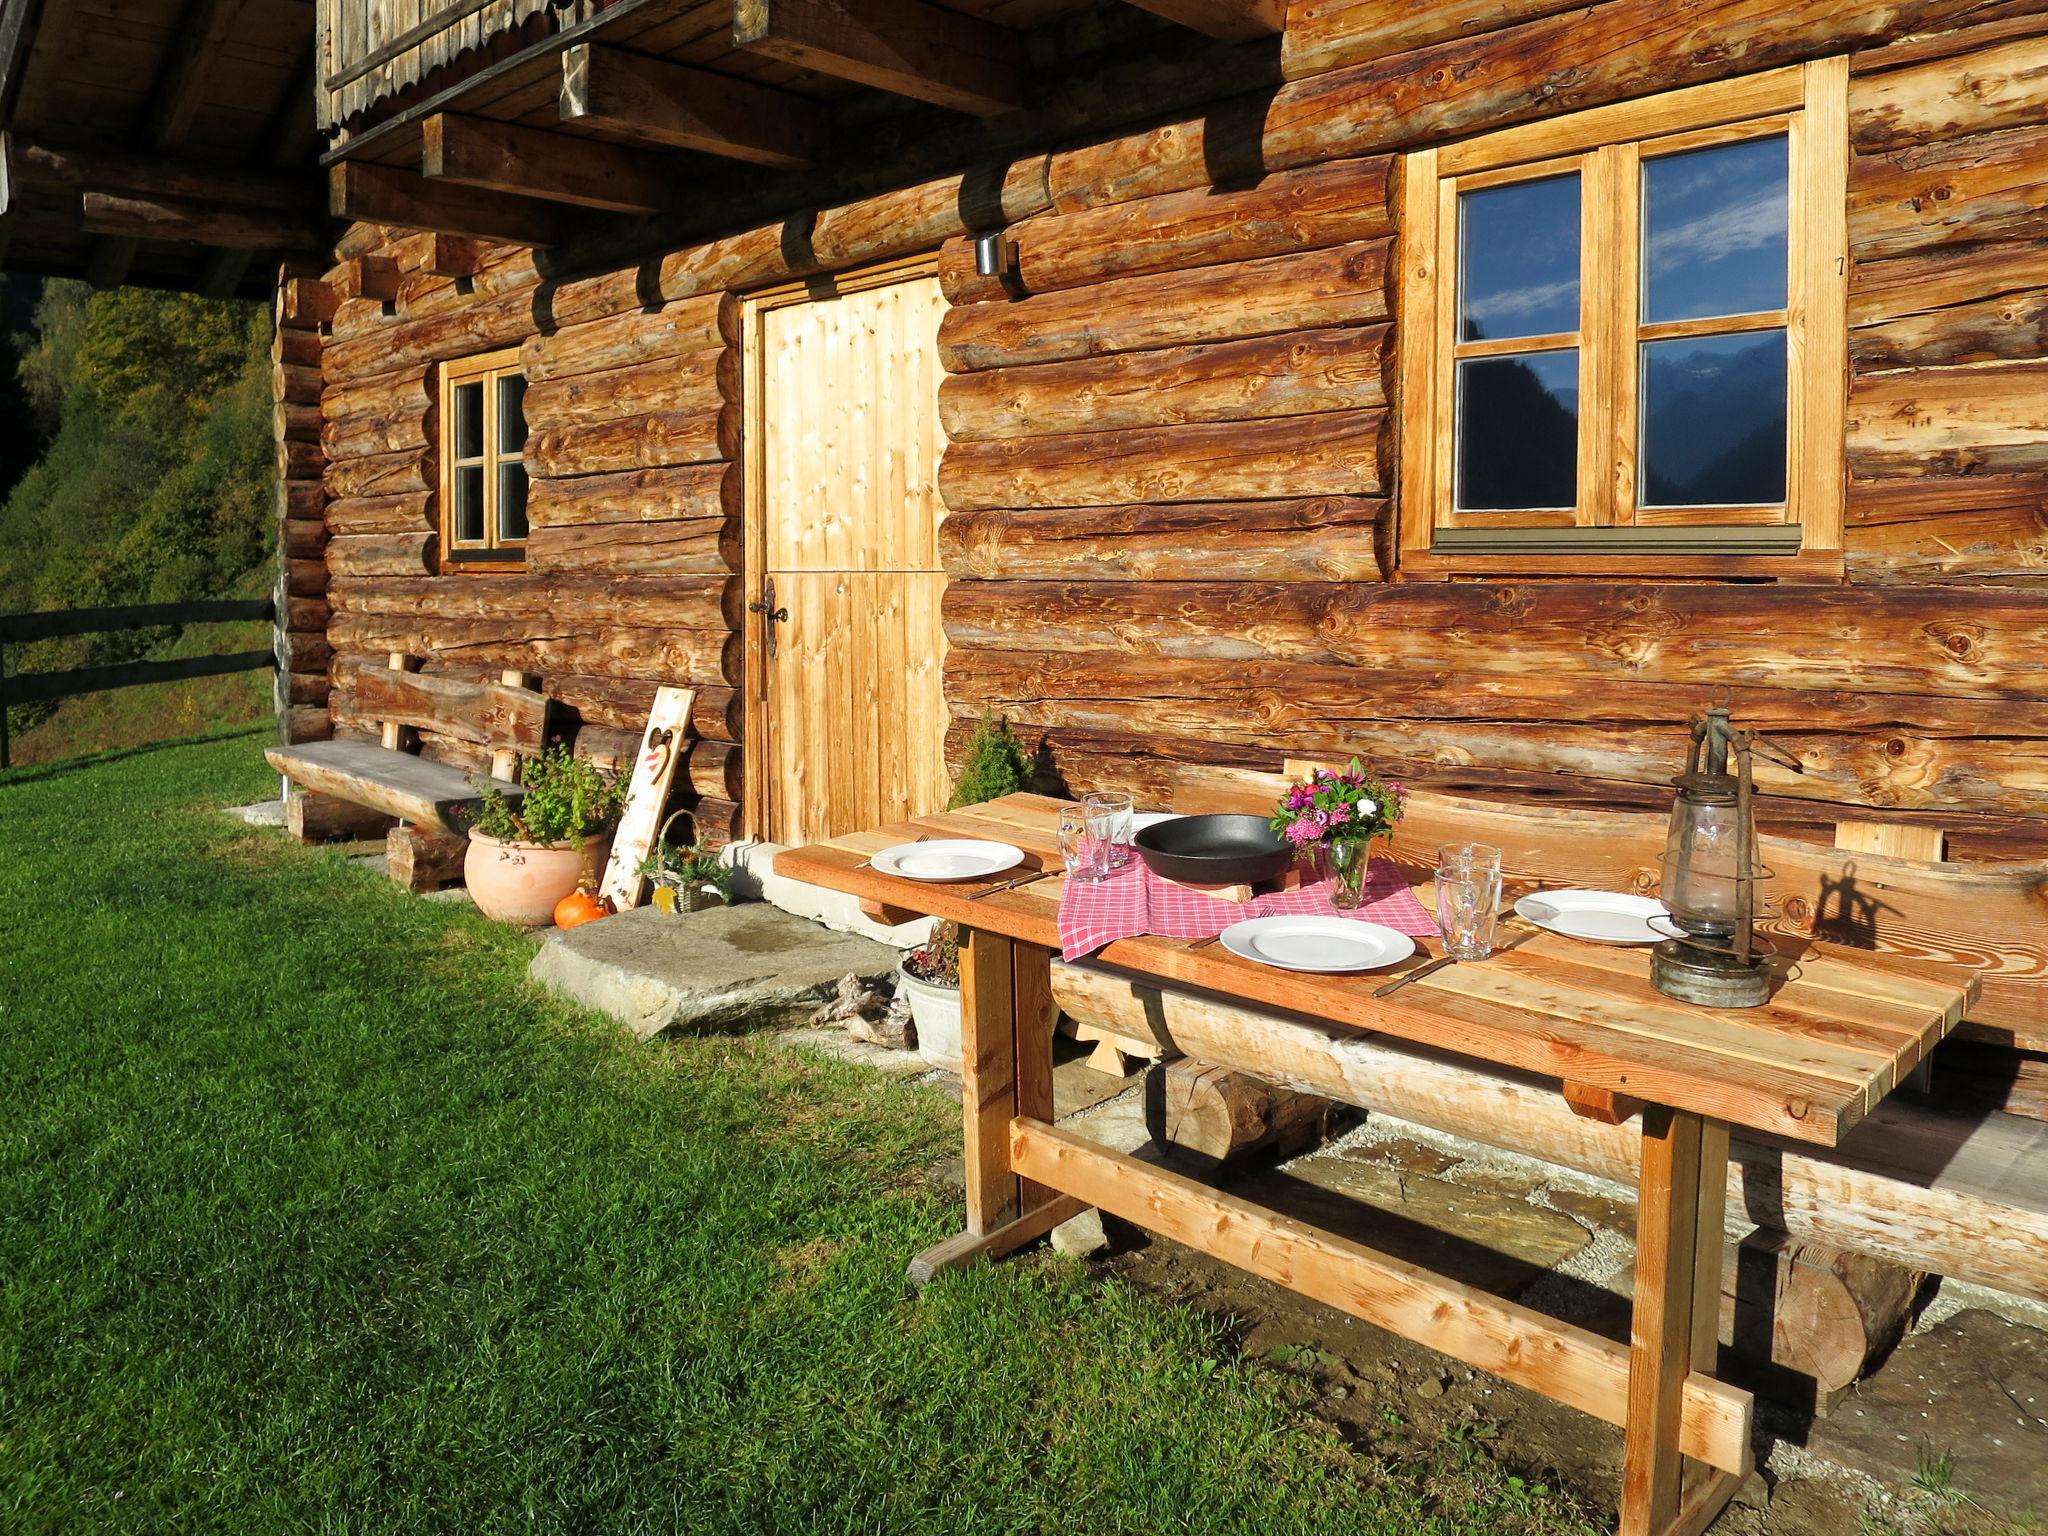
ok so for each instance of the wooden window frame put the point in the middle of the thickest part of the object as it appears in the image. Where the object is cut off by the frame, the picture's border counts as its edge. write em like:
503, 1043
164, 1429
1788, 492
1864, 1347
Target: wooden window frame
1606, 534
493, 554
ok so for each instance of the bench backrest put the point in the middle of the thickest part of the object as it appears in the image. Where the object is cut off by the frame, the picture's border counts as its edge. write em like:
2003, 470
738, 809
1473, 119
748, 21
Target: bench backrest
509, 720
1990, 917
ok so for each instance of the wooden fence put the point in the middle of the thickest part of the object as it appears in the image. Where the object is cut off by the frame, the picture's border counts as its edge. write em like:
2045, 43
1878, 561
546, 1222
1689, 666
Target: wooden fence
35, 687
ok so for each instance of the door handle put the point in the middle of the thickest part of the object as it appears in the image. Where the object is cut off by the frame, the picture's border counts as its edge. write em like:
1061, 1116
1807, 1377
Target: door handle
770, 614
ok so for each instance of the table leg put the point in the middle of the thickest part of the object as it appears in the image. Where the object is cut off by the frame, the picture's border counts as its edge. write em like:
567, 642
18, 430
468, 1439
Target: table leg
1006, 1030
1678, 1287
988, 1074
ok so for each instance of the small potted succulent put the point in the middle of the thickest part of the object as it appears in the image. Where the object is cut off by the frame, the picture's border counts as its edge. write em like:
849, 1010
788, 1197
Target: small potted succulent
687, 877
929, 977
526, 855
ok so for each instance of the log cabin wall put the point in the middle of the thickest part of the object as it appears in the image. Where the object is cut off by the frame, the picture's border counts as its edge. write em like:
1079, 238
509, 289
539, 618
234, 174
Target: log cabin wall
1171, 473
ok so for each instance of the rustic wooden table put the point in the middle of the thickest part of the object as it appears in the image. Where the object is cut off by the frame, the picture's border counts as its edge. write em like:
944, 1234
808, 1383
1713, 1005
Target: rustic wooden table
1842, 1029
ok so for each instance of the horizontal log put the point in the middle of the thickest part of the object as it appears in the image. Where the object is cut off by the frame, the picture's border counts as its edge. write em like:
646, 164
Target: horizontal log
1299, 373
2001, 22
437, 254
626, 341
645, 441
296, 383
295, 423
378, 477
2012, 325
700, 546
304, 724
660, 655
1288, 211
382, 554
1971, 529
1990, 420
689, 383
152, 216
1920, 1189
1900, 641
1338, 454
492, 714
303, 613
715, 714
301, 538
1343, 285
292, 348
380, 432
302, 688
420, 859
304, 578
504, 321
1329, 538
304, 303
1987, 186
406, 512
301, 652
1209, 1117
403, 389
312, 817
300, 460
1326, 34
1984, 90
543, 602
689, 491
1465, 85
301, 499
1930, 281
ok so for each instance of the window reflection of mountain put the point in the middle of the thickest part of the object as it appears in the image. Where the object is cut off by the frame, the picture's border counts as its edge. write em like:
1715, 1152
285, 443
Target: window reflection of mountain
1518, 442
1715, 428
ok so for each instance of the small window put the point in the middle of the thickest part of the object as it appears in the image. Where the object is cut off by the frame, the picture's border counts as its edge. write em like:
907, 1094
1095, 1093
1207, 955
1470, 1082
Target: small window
1623, 335
483, 468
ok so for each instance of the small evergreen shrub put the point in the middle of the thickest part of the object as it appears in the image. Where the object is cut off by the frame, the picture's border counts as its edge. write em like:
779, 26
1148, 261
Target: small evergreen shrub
996, 765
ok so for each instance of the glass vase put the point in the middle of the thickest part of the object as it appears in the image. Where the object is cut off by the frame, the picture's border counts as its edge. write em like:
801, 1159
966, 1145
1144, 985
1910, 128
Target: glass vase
1347, 859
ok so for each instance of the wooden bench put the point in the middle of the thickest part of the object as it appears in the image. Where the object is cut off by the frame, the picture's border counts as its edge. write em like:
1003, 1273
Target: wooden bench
340, 787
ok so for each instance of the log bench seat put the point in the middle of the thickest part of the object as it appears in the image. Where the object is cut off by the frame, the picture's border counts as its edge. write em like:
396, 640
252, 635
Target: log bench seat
399, 784
347, 787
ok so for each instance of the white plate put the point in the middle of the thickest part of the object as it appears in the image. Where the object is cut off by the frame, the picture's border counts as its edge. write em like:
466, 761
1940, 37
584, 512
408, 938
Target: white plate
949, 858
1604, 917
1317, 943
1144, 819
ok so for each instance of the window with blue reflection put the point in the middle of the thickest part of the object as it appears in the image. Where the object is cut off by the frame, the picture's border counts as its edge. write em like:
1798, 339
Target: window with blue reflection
1715, 232
1518, 431
1713, 421
1518, 266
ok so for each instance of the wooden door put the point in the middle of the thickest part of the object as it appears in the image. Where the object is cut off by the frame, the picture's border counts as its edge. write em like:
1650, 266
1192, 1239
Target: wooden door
848, 441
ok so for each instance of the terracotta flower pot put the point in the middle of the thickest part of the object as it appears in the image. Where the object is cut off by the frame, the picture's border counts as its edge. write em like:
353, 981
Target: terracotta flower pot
521, 882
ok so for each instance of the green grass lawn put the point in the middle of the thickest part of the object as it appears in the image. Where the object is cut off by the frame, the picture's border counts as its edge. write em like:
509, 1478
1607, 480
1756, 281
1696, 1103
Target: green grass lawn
314, 1217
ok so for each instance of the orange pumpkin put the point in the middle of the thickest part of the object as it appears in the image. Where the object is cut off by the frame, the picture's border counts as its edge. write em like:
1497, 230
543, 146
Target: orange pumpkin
580, 906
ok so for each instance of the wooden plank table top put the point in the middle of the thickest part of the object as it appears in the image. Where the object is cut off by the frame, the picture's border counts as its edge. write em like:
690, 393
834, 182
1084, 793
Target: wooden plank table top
1842, 1030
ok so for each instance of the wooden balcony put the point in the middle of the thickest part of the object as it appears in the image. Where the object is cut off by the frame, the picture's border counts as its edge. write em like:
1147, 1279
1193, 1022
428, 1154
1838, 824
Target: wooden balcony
373, 49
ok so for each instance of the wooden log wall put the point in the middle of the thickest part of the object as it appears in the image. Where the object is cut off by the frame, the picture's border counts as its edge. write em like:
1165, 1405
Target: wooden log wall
1171, 477
303, 649
1171, 472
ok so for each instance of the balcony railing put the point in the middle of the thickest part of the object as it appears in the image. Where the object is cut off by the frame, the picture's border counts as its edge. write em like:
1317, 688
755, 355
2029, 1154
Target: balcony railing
371, 49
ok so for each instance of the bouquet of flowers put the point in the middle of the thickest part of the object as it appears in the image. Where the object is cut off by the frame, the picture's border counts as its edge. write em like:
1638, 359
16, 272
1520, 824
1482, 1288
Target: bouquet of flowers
1341, 813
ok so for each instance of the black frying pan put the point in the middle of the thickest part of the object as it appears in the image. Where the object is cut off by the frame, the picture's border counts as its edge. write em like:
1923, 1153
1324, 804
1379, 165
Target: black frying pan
1215, 850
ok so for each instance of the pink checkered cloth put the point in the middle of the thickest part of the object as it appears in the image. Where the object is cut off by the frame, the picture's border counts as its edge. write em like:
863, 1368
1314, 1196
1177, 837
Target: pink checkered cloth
1135, 901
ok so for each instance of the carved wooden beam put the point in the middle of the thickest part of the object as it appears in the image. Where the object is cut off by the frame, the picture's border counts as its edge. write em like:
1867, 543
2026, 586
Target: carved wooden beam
384, 194
906, 47
130, 216
529, 162
651, 101
1236, 20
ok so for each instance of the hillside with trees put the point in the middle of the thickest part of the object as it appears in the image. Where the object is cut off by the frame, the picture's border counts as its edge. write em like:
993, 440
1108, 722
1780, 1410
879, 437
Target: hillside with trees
144, 421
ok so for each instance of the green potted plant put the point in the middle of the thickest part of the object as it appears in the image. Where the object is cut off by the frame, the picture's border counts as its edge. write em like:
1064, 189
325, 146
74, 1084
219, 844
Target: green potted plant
526, 855
687, 877
929, 977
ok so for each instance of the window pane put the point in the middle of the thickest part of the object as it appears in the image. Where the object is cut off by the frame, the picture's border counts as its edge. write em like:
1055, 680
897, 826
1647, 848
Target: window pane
1714, 231
469, 504
1518, 431
469, 420
511, 413
511, 503
1714, 421
1519, 259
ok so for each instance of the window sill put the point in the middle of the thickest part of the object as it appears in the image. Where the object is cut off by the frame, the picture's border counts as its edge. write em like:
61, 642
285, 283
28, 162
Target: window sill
1807, 567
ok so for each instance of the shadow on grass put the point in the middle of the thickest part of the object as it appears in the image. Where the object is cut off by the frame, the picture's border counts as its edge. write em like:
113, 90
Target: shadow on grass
43, 772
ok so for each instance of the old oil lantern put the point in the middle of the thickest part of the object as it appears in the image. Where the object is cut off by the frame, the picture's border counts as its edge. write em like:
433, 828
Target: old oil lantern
1710, 875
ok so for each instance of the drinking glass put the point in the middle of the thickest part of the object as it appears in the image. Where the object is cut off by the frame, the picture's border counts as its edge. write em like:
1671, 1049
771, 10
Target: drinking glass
1086, 855
1468, 900
1457, 855
1110, 815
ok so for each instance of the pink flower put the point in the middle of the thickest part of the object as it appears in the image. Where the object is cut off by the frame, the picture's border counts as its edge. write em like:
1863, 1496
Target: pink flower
1340, 814
1301, 832
1297, 798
